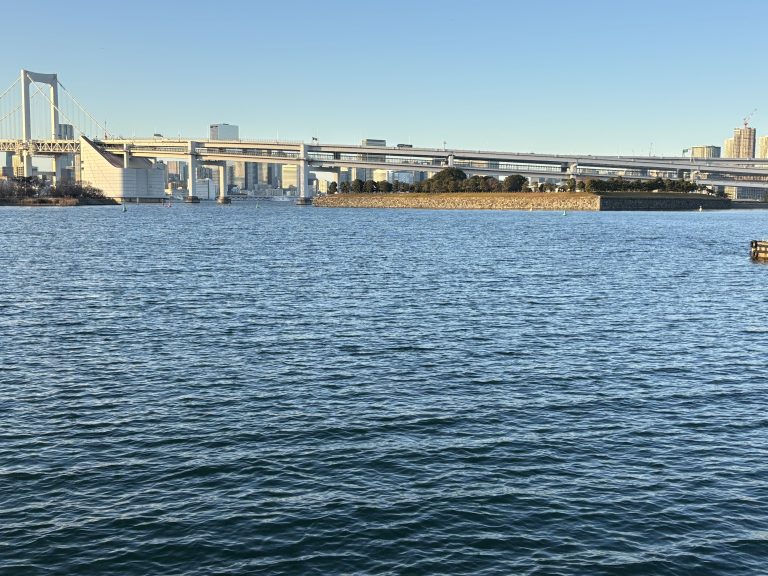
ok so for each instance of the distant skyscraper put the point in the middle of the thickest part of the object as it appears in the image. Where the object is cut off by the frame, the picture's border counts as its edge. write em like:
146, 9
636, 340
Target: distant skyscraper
728, 148
705, 152
177, 170
245, 175
66, 132
224, 132
763, 148
268, 174
290, 176
742, 145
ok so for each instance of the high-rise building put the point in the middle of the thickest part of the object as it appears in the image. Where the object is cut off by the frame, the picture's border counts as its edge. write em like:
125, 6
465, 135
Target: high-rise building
742, 145
245, 175
763, 147
66, 132
290, 176
728, 148
268, 175
224, 132
177, 170
705, 152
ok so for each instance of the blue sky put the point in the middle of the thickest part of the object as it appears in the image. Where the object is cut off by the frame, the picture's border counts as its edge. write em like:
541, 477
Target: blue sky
592, 77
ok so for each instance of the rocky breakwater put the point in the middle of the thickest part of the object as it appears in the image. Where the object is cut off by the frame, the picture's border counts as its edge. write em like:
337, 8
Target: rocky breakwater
464, 201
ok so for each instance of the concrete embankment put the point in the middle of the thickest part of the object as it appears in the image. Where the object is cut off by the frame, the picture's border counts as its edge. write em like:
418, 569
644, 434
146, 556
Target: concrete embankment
525, 201
611, 202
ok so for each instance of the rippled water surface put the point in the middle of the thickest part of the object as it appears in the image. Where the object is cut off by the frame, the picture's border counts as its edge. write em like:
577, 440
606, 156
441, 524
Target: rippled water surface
285, 390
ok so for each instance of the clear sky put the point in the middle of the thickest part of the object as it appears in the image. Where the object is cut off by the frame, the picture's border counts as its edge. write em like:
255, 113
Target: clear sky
588, 76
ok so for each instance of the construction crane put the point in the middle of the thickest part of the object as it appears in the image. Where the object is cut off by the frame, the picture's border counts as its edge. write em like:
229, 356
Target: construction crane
748, 117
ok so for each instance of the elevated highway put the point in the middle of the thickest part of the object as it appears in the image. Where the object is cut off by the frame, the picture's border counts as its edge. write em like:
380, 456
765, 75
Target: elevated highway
331, 157
59, 140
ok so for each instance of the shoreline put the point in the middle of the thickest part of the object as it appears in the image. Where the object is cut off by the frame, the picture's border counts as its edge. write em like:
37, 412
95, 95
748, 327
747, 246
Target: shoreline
58, 202
548, 201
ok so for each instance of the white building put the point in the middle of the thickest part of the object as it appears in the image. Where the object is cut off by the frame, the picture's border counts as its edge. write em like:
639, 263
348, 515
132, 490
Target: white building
705, 151
745, 193
224, 132
137, 179
206, 189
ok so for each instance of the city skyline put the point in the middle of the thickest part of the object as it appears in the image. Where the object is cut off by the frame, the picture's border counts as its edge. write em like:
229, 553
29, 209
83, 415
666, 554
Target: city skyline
642, 79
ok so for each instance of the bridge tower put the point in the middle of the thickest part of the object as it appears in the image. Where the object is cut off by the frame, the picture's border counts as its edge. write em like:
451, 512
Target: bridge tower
27, 78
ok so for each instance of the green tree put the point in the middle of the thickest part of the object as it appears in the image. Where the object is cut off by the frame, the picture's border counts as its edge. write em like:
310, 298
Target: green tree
383, 186
474, 184
369, 187
356, 187
344, 187
333, 188
444, 180
514, 183
491, 184
450, 174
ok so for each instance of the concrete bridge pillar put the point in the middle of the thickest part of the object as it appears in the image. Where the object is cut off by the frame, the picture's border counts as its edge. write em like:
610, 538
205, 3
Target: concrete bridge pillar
57, 169
223, 198
303, 179
302, 173
77, 167
450, 160
192, 162
26, 163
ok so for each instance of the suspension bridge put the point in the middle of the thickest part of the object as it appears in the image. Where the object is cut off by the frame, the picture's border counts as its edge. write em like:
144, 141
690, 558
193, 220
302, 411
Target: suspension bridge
40, 118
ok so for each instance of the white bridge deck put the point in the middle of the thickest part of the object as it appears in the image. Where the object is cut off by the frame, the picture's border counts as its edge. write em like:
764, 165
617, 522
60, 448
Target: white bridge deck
331, 157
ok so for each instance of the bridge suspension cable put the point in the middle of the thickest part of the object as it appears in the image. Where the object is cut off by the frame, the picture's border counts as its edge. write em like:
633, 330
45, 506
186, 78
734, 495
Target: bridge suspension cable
101, 127
9, 105
64, 115
70, 110
9, 88
14, 126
